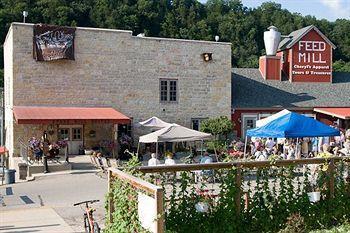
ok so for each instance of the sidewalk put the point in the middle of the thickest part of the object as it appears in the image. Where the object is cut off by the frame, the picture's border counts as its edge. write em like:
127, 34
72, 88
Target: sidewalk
38, 219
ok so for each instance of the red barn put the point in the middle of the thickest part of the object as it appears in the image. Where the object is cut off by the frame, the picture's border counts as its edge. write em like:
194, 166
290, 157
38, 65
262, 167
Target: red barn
307, 56
299, 78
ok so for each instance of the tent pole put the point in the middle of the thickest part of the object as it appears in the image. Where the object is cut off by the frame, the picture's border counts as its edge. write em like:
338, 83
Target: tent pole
296, 149
201, 147
245, 146
156, 149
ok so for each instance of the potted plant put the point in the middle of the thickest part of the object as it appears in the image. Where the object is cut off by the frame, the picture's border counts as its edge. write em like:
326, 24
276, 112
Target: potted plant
314, 193
312, 188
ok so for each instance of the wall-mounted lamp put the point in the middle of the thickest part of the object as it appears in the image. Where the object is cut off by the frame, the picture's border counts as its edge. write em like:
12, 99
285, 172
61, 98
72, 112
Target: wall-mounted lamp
207, 57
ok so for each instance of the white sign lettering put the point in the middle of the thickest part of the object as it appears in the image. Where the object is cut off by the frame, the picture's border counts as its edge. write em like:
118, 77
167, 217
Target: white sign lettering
312, 45
312, 52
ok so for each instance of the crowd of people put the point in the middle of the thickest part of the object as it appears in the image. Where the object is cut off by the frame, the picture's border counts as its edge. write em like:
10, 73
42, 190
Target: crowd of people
263, 148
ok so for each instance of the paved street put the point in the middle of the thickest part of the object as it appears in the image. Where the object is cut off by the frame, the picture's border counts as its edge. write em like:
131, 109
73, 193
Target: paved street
52, 194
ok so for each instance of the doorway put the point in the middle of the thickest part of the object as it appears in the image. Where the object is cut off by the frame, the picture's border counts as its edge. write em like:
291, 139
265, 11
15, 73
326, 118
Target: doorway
74, 136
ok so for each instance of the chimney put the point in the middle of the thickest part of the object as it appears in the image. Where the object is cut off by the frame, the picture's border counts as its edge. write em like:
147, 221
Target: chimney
270, 64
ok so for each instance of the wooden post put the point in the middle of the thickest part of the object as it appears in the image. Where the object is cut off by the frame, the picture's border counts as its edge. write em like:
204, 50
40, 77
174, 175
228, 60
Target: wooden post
110, 197
331, 169
239, 192
160, 210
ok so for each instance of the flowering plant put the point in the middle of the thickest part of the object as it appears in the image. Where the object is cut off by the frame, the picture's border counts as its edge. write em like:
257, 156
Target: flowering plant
62, 143
34, 143
54, 146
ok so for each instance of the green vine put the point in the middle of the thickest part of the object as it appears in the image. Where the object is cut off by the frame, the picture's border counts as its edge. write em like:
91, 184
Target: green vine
277, 201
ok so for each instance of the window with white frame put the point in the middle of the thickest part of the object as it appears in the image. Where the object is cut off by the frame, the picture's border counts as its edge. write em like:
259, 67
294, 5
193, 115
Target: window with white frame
168, 90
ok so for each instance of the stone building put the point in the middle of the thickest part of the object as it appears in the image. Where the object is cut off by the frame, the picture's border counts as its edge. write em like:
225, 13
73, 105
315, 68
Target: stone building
181, 81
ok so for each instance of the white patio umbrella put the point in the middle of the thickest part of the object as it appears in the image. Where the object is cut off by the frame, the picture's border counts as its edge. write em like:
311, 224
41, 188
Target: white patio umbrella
154, 122
174, 133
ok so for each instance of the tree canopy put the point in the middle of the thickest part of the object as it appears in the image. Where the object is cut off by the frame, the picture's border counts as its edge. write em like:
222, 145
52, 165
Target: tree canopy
186, 19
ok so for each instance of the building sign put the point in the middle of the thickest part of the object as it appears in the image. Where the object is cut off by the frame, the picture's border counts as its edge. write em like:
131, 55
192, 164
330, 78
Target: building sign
53, 42
311, 60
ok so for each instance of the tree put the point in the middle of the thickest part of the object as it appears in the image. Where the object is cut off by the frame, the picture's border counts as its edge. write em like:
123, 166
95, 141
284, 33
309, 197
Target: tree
217, 126
185, 19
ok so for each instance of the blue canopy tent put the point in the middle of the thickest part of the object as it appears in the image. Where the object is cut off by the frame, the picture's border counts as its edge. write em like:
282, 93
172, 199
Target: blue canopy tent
293, 125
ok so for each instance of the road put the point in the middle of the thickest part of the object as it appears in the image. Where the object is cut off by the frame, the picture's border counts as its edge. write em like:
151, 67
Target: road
58, 192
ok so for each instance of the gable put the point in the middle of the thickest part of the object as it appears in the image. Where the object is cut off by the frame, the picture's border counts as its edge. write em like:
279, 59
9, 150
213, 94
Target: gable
297, 35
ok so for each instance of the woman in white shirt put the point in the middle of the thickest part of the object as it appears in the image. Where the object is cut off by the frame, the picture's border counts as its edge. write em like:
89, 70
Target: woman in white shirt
169, 160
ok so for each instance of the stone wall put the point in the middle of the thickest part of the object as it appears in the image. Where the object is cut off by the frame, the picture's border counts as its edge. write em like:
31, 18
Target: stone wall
102, 132
8, 91
114, 68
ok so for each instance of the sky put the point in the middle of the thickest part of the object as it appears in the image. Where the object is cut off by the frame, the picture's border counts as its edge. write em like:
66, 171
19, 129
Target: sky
321, 9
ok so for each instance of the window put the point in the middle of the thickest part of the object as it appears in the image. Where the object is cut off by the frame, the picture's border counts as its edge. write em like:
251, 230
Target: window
76, 134
196, 123
63, 134
168, 90
250, 124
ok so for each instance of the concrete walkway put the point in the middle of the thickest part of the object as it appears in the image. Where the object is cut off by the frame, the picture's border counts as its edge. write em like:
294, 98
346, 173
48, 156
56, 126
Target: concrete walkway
39, 219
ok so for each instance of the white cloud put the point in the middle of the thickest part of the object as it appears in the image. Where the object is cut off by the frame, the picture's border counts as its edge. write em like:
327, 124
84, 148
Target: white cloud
339, 8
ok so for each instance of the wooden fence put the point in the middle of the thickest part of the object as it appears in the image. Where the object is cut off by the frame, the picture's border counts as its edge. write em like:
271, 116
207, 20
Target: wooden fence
158, 192
251, 164
155, 191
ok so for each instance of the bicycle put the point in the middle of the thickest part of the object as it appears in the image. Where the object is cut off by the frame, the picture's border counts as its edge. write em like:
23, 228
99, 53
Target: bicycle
89, 223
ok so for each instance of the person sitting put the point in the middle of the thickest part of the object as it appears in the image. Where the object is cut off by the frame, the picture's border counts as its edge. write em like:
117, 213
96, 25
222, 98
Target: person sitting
153, 160
205, 173
169, 160
206, 158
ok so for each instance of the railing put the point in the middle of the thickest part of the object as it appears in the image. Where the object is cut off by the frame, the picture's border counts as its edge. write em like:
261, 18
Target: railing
250, 165
151, 189
242, 169
23, 151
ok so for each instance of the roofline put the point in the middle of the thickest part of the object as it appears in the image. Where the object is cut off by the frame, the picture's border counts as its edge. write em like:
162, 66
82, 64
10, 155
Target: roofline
272, 108
307, 31
331, 114
130, 32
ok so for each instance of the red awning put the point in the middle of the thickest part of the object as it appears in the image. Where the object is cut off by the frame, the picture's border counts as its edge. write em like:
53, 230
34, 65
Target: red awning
343, 113
67, 115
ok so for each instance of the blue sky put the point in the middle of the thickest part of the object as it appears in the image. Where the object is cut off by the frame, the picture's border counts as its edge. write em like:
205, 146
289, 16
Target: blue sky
321, 9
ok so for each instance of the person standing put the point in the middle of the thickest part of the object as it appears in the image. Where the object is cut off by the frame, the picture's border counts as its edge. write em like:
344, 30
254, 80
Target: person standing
269, 144
305, 147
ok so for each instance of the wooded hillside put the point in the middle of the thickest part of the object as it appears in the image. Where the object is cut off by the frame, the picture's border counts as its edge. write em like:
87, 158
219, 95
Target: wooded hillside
187, 19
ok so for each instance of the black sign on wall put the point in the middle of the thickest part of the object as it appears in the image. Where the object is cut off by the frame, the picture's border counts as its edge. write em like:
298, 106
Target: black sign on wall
53, 42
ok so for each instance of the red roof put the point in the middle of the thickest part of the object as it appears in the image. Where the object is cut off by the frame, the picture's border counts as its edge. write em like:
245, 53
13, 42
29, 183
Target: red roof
343, 113
49, 115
